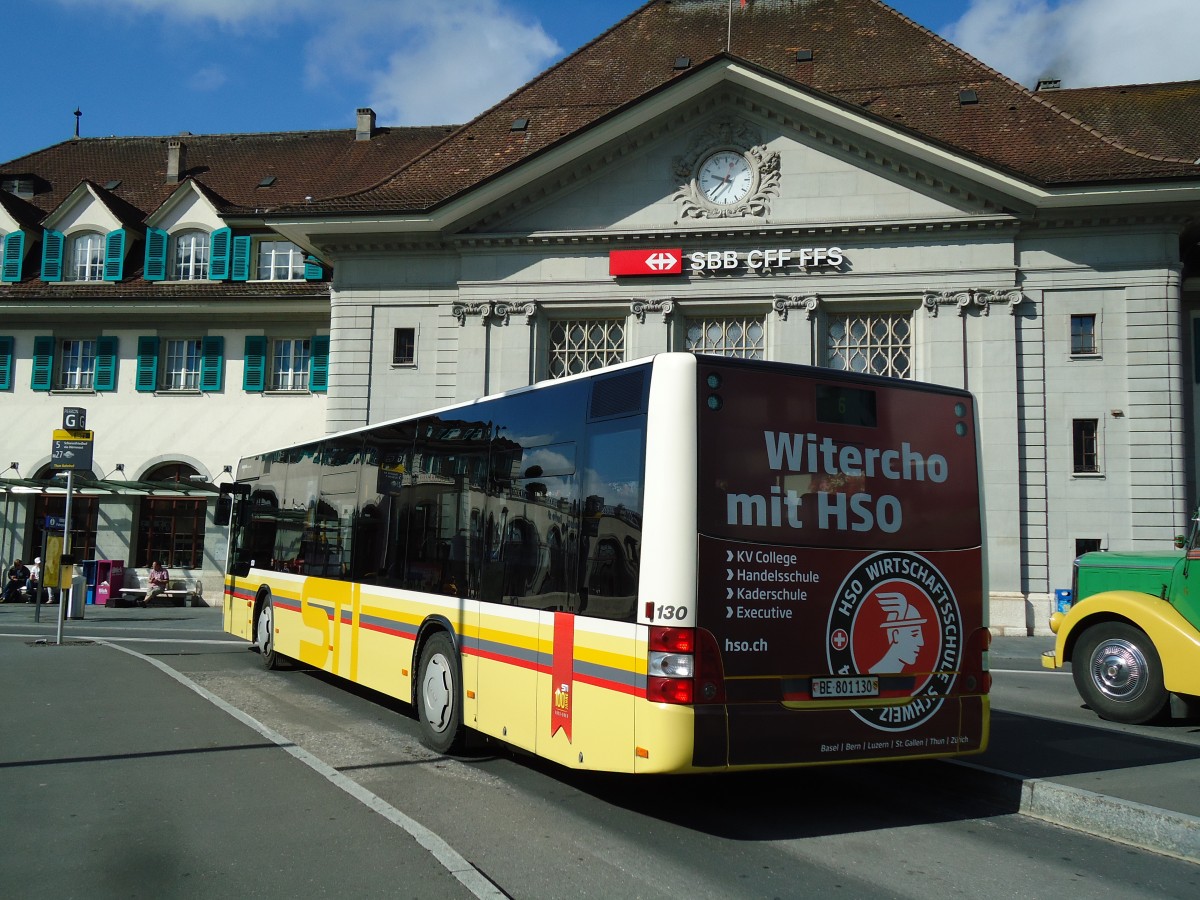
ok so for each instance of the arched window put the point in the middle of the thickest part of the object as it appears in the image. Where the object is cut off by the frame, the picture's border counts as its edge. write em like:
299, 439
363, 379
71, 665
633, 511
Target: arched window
171, 527
87, 257
191, 256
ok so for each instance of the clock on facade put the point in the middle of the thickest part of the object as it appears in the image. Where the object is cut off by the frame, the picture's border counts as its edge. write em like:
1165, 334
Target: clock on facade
725, 178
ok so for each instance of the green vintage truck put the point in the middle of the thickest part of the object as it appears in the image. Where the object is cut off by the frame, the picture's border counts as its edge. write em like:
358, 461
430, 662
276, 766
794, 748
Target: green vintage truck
1132, 634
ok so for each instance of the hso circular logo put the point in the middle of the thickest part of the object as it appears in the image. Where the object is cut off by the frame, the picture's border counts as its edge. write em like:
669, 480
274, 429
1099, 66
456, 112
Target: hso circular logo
895, 614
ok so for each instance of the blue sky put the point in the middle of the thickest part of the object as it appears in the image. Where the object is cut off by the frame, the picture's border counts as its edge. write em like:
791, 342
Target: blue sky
156, 67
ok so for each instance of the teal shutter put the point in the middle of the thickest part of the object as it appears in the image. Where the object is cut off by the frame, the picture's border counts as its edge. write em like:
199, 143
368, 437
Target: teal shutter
14, 254
212, 363
52, 257
156, 255
218, 254
313, 270
318, 364
147, 364
106, 363
240, 262
6, 363
114, 255
254, 378
43, 363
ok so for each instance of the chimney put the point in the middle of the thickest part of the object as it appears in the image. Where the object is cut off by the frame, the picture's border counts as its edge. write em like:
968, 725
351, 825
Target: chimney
366, 124
176, 160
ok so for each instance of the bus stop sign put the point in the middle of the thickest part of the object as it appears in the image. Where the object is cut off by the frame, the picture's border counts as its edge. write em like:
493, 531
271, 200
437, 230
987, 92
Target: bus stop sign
71, 449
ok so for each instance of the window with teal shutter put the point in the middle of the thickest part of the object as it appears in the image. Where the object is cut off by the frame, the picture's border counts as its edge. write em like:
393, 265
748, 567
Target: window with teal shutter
313, 269
212, 363
106, 364
254, 377
14, 254
156, 255
114, 255
318, 365
218, 254
147, 364
52, 256
240, 262
43, 363
6, 363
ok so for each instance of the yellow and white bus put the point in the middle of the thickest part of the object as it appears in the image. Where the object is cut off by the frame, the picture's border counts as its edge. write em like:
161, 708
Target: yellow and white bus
685, 563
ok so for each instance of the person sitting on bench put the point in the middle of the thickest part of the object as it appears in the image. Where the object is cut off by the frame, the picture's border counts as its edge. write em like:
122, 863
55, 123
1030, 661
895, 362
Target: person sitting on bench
158, 583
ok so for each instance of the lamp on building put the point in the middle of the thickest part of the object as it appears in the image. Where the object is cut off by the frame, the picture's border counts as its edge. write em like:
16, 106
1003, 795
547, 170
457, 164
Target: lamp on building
119, 467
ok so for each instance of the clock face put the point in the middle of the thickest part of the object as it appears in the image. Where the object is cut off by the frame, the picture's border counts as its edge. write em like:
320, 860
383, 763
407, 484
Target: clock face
725, 178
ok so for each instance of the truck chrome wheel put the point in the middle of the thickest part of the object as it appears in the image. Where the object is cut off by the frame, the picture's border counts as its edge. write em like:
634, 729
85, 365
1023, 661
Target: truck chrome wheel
1119, 670
1118, 673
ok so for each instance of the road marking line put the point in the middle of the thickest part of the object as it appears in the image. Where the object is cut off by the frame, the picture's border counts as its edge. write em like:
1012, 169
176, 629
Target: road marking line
451, 860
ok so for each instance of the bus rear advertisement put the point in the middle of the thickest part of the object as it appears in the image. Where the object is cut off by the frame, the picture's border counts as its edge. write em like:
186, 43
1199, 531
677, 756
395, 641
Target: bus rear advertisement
685, 563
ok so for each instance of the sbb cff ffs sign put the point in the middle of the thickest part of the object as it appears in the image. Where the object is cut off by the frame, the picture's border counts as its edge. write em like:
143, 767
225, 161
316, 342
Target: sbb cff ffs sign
646, 262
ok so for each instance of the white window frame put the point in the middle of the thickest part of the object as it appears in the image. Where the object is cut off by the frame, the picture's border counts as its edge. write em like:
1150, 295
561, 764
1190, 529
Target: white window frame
180, 364
291, 362
278, 260
87, 257
190, 255
76, 364
1084, 354
398, 363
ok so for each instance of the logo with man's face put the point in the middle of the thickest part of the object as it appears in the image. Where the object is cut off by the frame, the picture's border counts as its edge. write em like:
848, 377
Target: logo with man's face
895, 616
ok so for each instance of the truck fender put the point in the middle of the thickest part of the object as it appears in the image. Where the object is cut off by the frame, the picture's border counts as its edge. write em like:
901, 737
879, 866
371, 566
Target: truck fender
1175, 638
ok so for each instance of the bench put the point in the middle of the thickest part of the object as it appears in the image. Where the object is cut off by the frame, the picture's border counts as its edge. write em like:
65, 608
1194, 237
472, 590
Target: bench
172, 597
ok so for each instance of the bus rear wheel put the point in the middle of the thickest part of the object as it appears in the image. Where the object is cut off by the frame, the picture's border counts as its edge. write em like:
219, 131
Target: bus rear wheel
439, 695
1118, 672
264, 634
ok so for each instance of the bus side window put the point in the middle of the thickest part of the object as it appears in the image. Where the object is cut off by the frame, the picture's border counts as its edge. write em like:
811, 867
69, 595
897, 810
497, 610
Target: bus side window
610, 547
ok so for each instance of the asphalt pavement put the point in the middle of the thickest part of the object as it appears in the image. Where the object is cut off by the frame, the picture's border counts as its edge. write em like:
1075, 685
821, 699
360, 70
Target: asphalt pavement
174, 792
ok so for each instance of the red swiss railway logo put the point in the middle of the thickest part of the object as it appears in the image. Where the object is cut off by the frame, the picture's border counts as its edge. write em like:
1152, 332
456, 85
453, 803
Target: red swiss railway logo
646, 261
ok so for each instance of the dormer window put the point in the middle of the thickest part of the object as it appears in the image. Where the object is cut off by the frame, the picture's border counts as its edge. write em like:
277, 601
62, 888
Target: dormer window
191, 256
87, 257
280, 261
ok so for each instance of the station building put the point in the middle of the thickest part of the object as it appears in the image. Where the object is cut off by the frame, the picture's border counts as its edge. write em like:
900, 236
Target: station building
808, 181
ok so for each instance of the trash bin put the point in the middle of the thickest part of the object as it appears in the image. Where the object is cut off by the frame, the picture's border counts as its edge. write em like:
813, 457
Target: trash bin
78, 595
1063, 598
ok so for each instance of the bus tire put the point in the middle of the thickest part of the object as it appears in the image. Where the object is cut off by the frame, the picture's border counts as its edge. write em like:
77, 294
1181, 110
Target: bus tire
1118, 673
264, 634
439, 695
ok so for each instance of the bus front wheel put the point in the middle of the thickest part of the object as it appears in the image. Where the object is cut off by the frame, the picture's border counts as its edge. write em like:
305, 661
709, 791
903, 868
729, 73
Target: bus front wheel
264, 634
1118, 672
439, 695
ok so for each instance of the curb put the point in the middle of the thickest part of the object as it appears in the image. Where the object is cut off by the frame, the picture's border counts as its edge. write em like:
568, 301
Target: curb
1125, 821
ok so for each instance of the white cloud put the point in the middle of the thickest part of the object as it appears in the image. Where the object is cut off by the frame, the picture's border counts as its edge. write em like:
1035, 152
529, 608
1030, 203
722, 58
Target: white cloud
430, 63
1083, 42
210, 78
418, 61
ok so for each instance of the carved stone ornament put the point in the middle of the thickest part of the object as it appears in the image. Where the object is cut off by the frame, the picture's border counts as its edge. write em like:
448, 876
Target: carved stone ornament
527, 309
734, 137
502, 311
981, 299
640, 307
809, 304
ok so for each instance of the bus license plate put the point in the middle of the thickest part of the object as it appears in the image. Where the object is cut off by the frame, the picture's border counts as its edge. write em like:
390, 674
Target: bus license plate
854, 686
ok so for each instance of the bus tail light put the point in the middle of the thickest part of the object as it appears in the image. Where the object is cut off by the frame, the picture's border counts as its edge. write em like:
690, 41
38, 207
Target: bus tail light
684, 667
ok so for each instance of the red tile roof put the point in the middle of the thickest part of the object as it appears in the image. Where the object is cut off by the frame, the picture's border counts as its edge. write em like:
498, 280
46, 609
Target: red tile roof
865, 55
1159, 119
229, 166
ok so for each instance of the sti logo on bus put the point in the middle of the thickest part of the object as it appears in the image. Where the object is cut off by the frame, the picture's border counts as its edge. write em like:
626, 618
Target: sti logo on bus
895, 613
